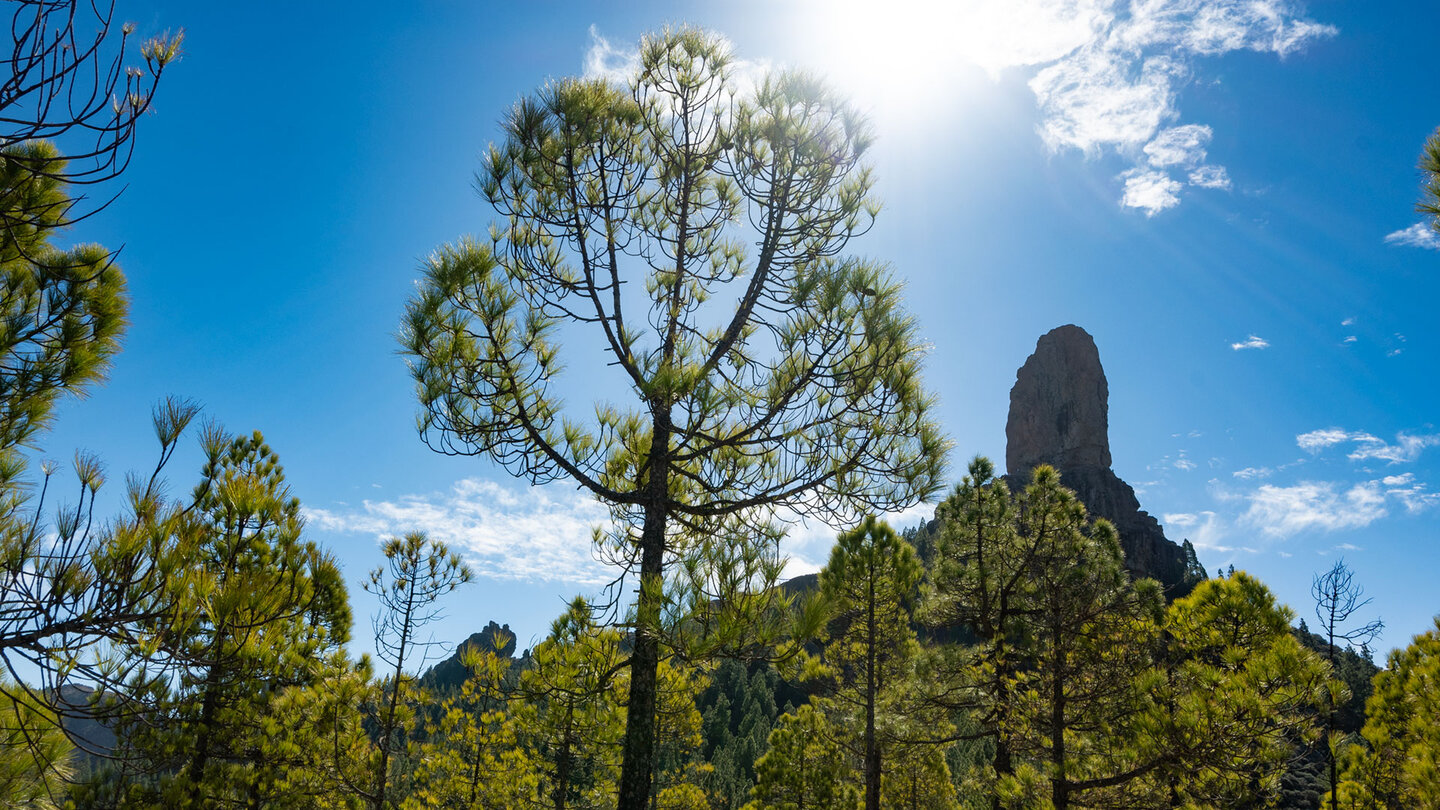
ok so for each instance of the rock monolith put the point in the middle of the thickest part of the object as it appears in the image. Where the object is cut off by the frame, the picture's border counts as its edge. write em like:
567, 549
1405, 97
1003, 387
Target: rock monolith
1059, 415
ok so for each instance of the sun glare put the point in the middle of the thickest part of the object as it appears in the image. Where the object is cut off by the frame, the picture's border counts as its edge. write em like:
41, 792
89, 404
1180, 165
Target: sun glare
896, 56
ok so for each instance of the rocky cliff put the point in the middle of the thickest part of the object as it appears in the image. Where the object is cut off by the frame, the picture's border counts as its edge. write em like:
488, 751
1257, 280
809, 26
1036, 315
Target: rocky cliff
1059, 415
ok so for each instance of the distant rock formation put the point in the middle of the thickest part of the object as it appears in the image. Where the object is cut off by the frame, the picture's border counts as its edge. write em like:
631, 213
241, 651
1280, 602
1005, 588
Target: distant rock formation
1059, 415
452, 672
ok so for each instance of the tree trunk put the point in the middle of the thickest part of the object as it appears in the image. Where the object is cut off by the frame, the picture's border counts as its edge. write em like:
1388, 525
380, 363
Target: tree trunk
1060, 782
208, 707
872, 748
637, 766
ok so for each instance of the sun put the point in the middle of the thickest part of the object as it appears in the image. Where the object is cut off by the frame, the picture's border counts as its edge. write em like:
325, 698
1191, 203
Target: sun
898, 55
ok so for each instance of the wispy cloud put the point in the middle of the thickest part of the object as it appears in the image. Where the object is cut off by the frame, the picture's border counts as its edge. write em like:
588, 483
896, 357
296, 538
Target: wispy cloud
604, 60
1252, 472
1118, 90
1313, 506
1419, 235
531, 534
1252, 342
1210, 177
1406, 448
1317, 440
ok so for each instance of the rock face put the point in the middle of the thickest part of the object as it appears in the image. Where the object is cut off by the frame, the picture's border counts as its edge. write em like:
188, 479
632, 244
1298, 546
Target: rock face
1059, 407
1059, 415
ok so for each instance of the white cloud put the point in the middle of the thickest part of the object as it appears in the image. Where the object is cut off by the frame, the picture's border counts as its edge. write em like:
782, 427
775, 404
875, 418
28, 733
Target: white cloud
1183, 463
1419, 235
1210, 177
1152, 191
1252, 472
1179, 146
1407, 447
1317, 440
519, 533
1207, 532
1106, 75
1181, 519
1000, 34
1252, 342
1398, 480
1313, 506
1348, 547
1118, 90
604, 60
1348, 322
1414, 497
1349, 339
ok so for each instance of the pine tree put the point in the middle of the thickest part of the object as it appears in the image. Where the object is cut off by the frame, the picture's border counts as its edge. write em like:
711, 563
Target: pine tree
1089, 630
980, 587
783, 378
269, 606
805, 767
1429, 204
472, 757
1235, 697
573, 713
416, 573
870, 583
1399, 763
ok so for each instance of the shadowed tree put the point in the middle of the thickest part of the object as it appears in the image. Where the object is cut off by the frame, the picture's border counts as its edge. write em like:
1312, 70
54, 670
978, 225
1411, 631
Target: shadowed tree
980, 584
870, 582
1338, 598
416, 573
695, 232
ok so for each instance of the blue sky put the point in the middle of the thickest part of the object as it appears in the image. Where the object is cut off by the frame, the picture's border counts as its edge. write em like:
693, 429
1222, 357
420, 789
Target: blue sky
1221, 192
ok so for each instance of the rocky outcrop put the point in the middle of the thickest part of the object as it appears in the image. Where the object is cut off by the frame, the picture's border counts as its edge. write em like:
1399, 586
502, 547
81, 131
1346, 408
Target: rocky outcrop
452, 672
1059, 407
1059, 415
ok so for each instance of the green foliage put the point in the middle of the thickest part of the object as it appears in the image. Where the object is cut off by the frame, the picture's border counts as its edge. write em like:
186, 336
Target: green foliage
738, 710
416, 573
268, 608
63, 310
1062, 637
1236, 697
1399, 763
870, 583
36, 758
472, 756
783, 376
1430, 168
574, 716
805, 767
